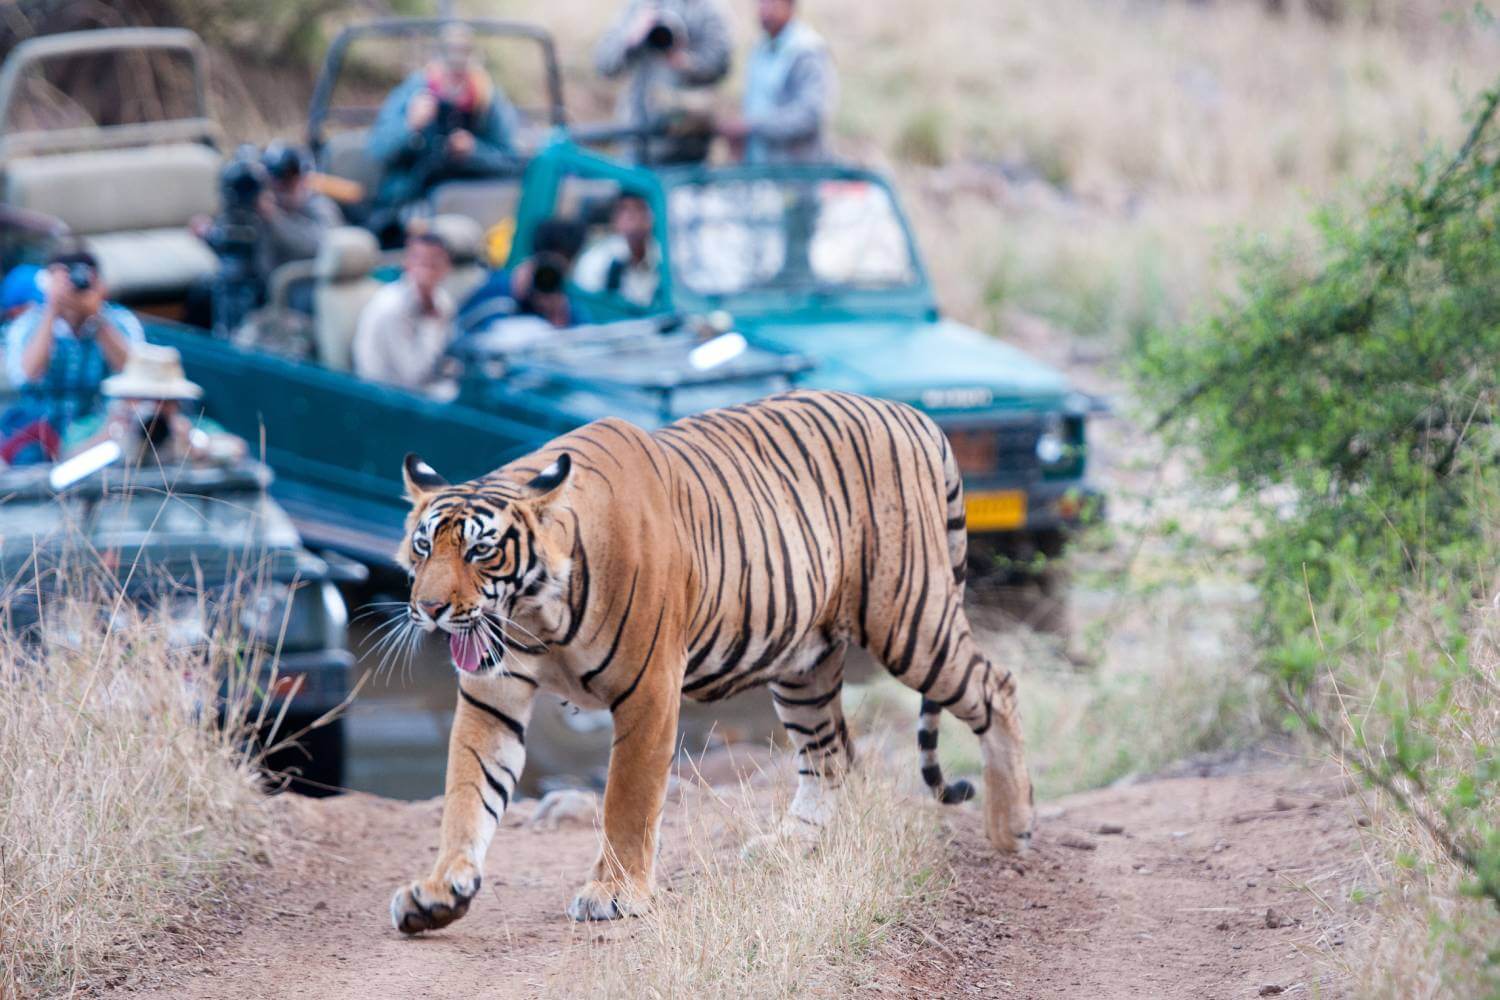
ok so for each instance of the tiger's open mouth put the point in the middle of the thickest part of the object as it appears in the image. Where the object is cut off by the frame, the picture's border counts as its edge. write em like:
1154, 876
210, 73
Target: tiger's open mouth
470, 649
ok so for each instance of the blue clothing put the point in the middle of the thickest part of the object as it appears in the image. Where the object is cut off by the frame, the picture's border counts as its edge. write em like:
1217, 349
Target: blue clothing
493, 298
788, 94
413, 161
20, 288
70, 386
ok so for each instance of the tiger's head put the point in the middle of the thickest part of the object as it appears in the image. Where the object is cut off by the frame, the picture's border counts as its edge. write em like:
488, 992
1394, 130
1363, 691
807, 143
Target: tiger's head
480, 552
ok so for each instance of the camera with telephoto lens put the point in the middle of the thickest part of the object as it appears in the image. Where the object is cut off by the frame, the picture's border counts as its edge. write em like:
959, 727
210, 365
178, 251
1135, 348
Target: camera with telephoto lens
548, 274
81, 276
661, 37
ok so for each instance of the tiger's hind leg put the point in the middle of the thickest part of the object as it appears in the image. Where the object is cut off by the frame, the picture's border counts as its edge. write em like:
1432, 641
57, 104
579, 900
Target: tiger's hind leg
951, 672
811, 709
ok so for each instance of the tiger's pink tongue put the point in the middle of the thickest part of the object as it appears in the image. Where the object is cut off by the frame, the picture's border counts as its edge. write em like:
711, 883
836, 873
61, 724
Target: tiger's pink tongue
466, 652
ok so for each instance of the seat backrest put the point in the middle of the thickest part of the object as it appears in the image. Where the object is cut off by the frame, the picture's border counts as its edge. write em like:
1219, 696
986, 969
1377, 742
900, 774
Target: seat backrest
343, 288
344, 155
487, 201
465, 240
116, 190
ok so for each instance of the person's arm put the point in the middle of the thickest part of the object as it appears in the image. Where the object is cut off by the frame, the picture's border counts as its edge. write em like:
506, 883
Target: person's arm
116, 329
810, 83
705, 58
392, 139
296, 234
615, 51
493, 145
34, 342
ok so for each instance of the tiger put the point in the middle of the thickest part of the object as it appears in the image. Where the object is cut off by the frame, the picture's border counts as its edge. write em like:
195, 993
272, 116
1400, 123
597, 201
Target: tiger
625, 569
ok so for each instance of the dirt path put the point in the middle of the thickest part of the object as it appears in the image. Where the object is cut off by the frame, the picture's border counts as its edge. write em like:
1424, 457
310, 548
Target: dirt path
1175, 905
1215, 887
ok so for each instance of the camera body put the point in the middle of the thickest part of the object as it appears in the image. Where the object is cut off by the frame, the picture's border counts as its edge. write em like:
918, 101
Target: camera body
80, 276
548, 274
449, 118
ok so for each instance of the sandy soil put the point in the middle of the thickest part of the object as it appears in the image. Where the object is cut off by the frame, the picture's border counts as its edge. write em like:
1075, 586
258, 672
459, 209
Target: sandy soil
1203, 892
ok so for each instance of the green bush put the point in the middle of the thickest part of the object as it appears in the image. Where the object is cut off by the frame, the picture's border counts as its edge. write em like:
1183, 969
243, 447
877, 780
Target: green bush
1350, 394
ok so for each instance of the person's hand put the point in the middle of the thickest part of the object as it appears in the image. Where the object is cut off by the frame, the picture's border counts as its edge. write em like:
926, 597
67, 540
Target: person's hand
645, 20
460, 143
265, 205
733, 128
200, 224
520, 280
421, 110
553, 307
57, 290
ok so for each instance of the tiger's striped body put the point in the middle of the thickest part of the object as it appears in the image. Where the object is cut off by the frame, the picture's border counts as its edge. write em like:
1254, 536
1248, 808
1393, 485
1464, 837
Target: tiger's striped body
739, 547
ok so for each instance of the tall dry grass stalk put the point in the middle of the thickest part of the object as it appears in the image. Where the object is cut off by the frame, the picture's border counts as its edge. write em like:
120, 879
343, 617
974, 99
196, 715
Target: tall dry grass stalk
788, 921
125, 803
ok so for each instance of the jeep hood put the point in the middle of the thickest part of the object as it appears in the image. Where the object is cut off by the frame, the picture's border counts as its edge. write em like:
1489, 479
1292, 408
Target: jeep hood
915, 361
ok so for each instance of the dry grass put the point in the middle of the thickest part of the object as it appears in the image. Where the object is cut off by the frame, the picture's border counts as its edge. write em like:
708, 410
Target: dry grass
125, 804
1428, 938
790, 922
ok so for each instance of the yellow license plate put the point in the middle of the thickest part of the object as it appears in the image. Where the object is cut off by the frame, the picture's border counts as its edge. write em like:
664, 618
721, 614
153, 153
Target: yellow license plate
996, 511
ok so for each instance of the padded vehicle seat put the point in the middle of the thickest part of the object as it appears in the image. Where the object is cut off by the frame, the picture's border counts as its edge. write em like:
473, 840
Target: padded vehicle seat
131, 207
465, 239
344, 286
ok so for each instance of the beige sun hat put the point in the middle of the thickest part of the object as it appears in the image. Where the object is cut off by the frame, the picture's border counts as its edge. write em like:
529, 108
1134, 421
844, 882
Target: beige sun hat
151, 372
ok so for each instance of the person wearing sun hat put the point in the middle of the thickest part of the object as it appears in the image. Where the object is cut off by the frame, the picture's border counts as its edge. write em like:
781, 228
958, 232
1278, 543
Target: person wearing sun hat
145, 417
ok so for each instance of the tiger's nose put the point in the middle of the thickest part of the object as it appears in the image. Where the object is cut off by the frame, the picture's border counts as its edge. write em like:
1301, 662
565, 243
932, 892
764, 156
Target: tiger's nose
433, 609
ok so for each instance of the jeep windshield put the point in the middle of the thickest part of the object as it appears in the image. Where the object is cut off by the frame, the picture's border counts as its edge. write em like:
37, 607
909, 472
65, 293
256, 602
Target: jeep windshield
758, 236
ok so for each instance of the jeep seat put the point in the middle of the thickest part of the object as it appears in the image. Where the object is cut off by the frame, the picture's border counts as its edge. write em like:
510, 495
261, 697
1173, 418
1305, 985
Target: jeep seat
464, 238
344, 286
131, 207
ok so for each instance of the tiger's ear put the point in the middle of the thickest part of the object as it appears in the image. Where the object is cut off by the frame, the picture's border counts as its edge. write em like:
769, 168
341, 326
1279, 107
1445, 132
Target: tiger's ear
421, 478
549, 482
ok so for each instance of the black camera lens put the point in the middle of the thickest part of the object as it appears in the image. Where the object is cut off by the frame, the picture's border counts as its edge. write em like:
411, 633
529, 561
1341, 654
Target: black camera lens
660, 37
81, 275
548, 275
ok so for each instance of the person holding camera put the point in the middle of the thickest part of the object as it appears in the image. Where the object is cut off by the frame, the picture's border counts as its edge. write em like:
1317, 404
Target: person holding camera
403, 332
447, 120
294, 218
670, 49
58, 353
789, 92
536, 286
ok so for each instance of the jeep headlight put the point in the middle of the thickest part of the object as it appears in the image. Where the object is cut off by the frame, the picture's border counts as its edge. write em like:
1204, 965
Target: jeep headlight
265, 614
1051, 448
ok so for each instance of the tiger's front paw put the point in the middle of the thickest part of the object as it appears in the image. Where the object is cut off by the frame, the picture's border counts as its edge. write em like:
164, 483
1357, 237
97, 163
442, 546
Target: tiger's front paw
606, 901
435, 902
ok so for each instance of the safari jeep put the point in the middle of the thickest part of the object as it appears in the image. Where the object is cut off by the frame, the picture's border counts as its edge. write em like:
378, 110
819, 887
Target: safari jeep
817, 262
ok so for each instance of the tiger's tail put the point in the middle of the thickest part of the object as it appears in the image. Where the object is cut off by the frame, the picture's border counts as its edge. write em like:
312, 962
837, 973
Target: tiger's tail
950, 793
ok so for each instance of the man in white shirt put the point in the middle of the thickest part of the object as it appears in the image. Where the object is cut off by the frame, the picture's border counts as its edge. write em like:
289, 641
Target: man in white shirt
404, 331
625, 264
